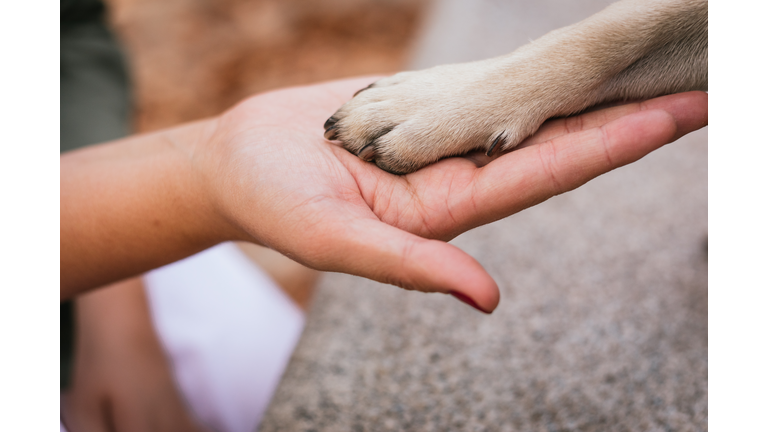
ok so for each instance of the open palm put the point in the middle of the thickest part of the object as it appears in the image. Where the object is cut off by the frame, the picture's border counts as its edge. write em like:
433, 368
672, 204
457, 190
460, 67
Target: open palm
276, 177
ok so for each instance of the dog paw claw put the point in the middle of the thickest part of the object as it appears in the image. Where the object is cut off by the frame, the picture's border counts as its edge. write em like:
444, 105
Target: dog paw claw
331, 133
363, 89
367, 153
330, 122
493, 146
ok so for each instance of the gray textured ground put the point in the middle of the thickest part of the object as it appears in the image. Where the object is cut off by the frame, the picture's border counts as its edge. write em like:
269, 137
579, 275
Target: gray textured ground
603, 318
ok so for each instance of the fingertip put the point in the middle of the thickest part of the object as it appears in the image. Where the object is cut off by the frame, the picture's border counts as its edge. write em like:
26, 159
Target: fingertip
692, 113
489, 307
460, 275
465, 299
689, 109
635, 135
489, 298
662, 122
387, 254
437, 266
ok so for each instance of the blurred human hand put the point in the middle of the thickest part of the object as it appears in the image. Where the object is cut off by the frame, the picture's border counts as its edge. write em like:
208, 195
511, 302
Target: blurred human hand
268, 170
122, 380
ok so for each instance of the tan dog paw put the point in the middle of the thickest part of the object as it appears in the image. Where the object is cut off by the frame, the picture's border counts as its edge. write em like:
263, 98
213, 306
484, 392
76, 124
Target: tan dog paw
413, 119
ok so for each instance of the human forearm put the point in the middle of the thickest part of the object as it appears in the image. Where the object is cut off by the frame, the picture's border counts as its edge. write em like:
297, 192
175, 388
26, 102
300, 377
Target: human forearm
132, 205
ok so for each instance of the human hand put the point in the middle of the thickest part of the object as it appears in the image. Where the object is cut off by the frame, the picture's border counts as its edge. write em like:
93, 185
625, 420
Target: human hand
121, 380
268, 170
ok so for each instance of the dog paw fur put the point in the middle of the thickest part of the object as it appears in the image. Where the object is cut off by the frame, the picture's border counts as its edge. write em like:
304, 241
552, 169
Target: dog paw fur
413, 119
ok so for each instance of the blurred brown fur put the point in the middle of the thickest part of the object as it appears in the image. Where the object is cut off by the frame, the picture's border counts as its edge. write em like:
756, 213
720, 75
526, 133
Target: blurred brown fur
195, 58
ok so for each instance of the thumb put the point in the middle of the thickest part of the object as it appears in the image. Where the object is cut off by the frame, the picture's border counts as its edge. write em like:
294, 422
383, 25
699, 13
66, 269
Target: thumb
375, 250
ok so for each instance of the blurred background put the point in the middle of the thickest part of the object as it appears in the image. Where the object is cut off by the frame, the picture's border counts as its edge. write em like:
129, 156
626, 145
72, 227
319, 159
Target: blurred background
194, 58
603, 319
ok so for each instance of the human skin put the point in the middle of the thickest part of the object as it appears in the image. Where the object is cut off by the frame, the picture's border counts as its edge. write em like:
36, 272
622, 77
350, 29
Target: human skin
121, 380
263, 173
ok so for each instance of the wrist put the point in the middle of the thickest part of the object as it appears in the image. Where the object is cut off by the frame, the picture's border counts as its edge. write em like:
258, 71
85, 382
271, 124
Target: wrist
193, 145
134, 205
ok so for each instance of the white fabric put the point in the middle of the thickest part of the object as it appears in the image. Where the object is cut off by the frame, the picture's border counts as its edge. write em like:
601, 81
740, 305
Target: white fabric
229, 332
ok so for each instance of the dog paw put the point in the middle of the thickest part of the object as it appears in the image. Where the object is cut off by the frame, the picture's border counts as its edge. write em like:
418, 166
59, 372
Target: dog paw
413, 119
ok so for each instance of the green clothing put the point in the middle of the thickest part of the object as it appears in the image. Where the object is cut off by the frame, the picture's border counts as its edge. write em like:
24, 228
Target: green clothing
95, 91
95, 107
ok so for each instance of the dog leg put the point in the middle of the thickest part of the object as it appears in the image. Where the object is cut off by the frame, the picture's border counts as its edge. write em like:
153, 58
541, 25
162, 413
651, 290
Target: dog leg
634, 49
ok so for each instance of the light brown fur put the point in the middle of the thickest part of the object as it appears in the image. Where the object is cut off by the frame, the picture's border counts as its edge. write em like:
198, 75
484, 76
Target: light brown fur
634, 49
